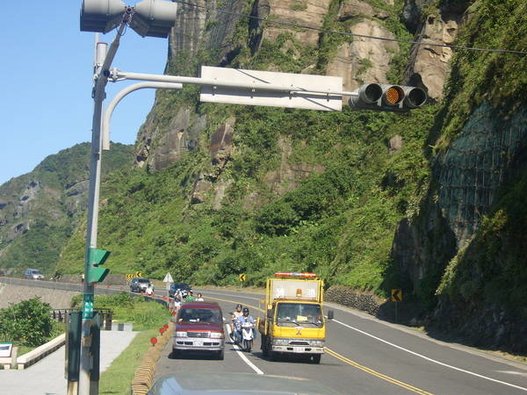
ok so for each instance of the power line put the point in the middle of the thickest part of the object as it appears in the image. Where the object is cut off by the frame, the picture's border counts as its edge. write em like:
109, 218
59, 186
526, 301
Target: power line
412, 42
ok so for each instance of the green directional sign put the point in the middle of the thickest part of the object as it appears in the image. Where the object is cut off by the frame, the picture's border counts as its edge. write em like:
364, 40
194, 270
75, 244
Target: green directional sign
87, 310
97, 257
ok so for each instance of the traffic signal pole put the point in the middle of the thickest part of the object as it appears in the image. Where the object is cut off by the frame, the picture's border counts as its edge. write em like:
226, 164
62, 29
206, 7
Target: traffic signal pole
103, 60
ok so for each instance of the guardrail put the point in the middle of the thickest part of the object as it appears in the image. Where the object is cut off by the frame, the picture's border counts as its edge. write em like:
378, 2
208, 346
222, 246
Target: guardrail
61, 315
64, 286
79, 288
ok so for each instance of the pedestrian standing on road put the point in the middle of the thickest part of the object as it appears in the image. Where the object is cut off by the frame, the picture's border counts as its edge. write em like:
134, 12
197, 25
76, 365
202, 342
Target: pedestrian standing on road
199, 297
190, 297
149, 290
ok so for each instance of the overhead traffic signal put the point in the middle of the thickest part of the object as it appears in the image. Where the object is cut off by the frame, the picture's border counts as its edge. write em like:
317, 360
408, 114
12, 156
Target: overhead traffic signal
101, 15
387, 97
96, 258
153, 18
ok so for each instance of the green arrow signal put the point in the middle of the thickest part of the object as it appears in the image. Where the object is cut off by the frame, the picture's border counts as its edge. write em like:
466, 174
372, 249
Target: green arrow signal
97, 257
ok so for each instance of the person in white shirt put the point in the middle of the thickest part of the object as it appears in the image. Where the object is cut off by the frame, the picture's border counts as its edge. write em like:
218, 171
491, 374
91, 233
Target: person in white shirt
149, 290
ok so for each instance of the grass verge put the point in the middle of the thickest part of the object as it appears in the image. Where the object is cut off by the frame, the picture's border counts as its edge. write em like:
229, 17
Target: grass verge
118, 377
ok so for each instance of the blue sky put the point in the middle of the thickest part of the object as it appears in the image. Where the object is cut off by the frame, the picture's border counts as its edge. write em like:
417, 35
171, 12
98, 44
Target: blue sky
46, 81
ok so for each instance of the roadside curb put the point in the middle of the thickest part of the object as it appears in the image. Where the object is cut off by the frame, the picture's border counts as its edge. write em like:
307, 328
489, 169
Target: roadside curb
35, 355
145, 373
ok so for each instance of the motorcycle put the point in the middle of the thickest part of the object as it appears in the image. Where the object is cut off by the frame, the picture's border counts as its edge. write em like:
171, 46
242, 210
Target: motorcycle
247, 337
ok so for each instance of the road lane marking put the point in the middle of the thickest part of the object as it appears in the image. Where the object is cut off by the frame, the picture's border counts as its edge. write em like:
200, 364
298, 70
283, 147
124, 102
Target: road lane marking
234, 302
430, 359
208, 292
382, 376
242, 355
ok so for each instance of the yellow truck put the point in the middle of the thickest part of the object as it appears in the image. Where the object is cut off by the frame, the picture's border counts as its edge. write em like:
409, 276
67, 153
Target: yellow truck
294, 321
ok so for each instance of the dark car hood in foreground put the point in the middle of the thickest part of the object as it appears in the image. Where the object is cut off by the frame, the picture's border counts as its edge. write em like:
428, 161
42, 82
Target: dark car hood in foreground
210, 383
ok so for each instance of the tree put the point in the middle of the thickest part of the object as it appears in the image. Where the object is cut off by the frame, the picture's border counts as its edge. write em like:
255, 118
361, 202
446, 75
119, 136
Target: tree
27, 323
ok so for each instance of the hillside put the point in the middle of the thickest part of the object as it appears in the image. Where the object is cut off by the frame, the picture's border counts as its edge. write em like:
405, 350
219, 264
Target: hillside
429, 202
39, 211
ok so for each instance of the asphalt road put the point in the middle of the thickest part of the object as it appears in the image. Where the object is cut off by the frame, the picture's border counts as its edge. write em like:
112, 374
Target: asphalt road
366, 356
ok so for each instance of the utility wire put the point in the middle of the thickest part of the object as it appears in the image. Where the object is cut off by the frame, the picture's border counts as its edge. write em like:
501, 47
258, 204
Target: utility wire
413, 42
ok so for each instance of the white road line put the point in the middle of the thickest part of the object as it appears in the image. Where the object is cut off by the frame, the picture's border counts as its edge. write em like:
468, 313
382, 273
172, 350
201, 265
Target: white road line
235, 296
242, 355
430, 359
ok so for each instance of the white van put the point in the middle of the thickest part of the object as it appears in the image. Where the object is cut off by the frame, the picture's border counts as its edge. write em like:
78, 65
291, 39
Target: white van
33, 274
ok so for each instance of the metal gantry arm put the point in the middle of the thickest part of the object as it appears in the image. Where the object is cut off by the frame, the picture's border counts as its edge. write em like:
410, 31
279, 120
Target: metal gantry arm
257, 85
105, 132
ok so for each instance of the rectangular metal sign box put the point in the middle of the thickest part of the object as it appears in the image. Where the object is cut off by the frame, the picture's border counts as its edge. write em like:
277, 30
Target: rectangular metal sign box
272, 89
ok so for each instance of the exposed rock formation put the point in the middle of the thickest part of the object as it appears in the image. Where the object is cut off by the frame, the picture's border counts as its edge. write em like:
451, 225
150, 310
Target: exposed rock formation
220, 149
431, 58
210, 25
469, 175
291, 13
364, 59
478, 162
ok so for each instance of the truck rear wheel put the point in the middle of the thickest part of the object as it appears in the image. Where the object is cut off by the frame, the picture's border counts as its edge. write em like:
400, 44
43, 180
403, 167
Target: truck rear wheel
316, 358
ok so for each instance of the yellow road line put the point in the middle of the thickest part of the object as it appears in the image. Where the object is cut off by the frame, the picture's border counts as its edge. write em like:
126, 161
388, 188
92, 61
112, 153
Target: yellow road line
352, 363
375, 373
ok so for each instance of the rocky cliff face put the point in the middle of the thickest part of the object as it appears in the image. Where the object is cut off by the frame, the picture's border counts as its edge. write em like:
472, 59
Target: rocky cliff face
467, 236
210, 26
466, 177
486, 154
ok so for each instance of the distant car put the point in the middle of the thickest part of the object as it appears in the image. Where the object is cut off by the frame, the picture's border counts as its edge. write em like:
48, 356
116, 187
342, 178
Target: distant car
178, 287
139, 284
199, 328
33, 274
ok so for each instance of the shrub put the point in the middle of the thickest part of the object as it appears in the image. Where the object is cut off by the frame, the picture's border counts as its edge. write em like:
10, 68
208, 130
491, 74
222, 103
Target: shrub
27, 323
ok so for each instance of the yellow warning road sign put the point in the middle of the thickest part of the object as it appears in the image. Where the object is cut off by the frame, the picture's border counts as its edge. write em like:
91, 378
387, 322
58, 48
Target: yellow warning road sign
129, 276
397, 295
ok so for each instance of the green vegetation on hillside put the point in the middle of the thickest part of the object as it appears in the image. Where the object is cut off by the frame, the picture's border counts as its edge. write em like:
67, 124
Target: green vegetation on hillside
325, 192
336, 215
47, 205
339, 221
494, 259
477, 76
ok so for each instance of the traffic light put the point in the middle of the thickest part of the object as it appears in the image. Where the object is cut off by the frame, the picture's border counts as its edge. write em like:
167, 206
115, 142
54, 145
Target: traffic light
101, 15
386, 97
154, 18
96, 258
